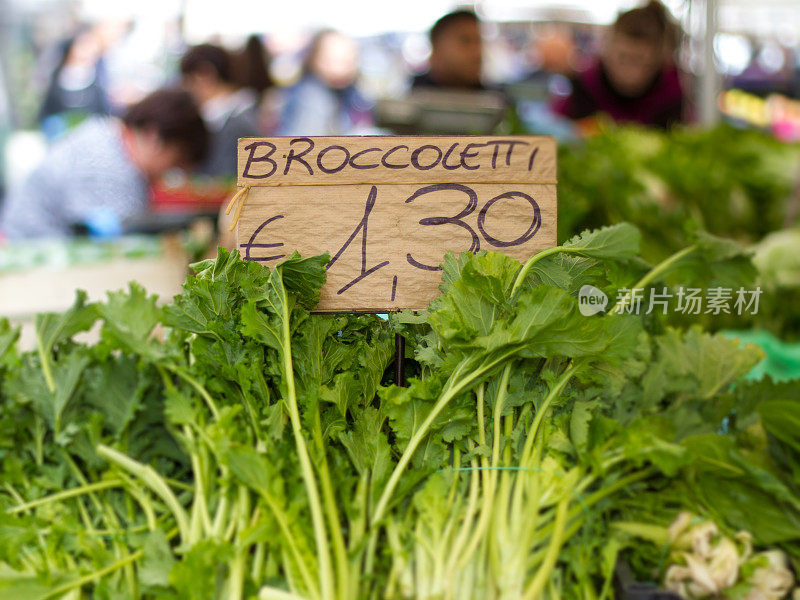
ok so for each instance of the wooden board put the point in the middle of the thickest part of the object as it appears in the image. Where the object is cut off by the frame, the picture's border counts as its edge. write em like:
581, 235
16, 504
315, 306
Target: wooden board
387, 233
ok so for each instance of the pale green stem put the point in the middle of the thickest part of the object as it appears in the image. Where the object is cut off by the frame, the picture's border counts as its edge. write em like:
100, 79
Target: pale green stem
67, 587
457, 551
200, 518
523, 273
451, 392
283, 524
540, 413
71, 493
270, 593
153, 480
498, 413
144, 503
556, 541
46, 370
329, 503
199, 388
259, 556
307, 470
239, 567
655, 272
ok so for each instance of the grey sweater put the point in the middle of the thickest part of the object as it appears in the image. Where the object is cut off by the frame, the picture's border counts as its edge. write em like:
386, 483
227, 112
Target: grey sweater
85, 172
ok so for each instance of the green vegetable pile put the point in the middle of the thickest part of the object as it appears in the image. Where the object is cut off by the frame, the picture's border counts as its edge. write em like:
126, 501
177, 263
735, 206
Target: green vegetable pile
231, 444
730, 182
739, 184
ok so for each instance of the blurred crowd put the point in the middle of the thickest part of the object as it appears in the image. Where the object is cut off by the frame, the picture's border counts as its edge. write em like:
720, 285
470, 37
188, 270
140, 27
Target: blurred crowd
106, 154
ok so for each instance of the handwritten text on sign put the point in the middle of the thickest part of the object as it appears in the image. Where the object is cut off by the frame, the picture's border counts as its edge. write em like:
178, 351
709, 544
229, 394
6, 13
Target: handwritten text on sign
387, 209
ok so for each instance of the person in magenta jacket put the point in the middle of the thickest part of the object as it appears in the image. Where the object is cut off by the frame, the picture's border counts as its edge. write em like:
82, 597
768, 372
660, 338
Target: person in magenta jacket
634, 80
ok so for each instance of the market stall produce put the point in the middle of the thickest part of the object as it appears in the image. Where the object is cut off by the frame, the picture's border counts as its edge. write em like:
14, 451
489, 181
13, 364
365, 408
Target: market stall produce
736, 183
252, 449
739, 184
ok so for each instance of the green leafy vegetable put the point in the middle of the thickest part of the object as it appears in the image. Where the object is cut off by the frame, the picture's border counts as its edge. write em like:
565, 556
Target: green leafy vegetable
232, 444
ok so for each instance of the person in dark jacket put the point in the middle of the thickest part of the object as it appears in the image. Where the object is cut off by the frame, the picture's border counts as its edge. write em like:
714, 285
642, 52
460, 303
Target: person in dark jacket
456, 54
634, 80
326, 100
78, 86
229, 112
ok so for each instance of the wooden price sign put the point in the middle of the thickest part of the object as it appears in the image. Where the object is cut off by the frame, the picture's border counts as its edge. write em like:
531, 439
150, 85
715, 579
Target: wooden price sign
387, 209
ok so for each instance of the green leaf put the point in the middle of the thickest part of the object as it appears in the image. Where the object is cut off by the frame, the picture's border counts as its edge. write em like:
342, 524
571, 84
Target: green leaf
746, 507
8, 337
247, 276
22, 586
452, 265
782, 419
250, 468
32, 386
304, 277
129, 320
115, 389
408, 407
748, 395
264, 327
568, 272
476, 299
367, 446
579, 424
695, 363
199, 576
295, 281
346, 391
548, 323
716, 262
715, 248
16, 532
203, 308
54, 328
157, 560
615, 242
178, 408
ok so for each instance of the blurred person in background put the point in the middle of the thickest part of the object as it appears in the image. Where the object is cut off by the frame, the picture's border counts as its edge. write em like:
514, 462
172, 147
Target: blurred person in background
77, 85
251, 65
228, 110
252, 68
456, 53
98, 175
634, 80
326, 100
552, 56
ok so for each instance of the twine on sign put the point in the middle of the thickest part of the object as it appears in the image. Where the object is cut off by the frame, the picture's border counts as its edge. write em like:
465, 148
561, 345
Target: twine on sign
238, 200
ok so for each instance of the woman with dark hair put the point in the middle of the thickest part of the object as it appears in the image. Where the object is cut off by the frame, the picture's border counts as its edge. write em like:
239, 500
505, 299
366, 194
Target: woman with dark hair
252, 67
634, 79
326, 100
229, 109
101, 170
78, 86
